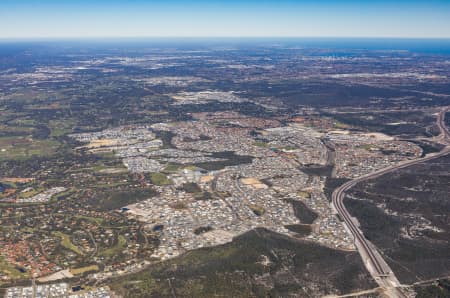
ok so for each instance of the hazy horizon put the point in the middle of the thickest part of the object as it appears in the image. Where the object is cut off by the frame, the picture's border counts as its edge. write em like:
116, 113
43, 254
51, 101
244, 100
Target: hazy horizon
417, 45
249, 18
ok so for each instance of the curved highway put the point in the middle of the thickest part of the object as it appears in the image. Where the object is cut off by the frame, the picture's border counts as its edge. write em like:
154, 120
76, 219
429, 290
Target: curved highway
371, 257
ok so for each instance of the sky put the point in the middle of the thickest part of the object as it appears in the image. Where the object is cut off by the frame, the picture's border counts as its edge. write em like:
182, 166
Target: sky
224, 18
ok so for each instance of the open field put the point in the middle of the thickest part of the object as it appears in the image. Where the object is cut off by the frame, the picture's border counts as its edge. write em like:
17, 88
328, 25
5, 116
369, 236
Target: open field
110, 252
20, 148
159, 179
66, 243
10, 271
82, 270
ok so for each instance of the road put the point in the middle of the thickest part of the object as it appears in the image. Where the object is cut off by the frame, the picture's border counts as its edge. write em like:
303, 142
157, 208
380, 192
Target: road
373, 260
445, 132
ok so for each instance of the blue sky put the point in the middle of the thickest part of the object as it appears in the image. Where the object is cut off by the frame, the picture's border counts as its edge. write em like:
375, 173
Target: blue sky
218, 18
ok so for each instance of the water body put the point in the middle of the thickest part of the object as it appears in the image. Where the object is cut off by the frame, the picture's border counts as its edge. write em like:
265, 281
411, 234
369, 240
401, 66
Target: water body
424, 46
338, 45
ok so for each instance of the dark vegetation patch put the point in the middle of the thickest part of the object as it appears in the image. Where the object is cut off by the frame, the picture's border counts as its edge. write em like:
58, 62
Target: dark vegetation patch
58, 162
438, 289
428, 147
166, 137
331, 184
331, 93
401, 123
201, 230
267, 181
418, 195
245, 108
201, 138
317, 171
257, 210
388, 152
380, 227
301, 230
191, 187
3, 187
178, 205
117, 199
204, 196
172, 168
215, 195
236, 269
159, 179
231, 160
303, 213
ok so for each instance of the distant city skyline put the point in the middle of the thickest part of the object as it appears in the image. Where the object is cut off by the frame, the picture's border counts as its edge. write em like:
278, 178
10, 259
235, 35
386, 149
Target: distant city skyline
218, 18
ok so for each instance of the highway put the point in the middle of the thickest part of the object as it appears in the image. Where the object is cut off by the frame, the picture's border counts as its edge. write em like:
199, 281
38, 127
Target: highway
445, 133
373, 260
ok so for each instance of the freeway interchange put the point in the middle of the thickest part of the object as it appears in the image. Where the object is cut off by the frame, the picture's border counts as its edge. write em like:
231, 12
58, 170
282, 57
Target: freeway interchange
373, 260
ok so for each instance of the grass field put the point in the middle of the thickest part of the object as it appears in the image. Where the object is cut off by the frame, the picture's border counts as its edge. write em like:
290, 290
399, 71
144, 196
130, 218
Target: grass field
19, 148
97, 220
61, 127
159, 179
261, 144
65, 242
15, 130
172, 168
121, 242
31, 193
79, 271
9, 270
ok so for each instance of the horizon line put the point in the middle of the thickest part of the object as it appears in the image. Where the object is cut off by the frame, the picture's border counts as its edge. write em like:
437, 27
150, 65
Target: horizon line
102, 37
